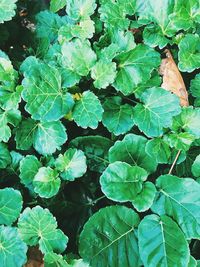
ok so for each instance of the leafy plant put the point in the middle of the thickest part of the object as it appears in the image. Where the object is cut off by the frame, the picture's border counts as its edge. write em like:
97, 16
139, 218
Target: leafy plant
99, 133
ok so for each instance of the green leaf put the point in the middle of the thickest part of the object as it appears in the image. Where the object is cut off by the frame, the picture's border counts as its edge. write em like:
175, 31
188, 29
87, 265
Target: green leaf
187, 121
194, 89
87, 111
7, 10
5, 157
103, 73
78, 263
192, 262
52, 259
10, 205
72, 164
13, 249
132, 151
46, 182
158, 237
96, 150
135, 67
78, 56
144, 200
56, 5
158, 149
7, 117
122, 182
106, 233
48, 137
80, 9
196, 167
48, 24
43, 93
157, 111
29, 167
180, 199
189, 53
34, 229
10, 99
117, 118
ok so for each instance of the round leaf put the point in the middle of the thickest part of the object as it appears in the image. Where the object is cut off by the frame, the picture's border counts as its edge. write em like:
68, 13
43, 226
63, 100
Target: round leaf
122, 182
46, 182
72, 164
158, 149
109, 238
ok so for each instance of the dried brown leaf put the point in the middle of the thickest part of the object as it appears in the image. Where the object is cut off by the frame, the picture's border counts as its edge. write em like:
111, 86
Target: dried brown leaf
35, 258
172, 79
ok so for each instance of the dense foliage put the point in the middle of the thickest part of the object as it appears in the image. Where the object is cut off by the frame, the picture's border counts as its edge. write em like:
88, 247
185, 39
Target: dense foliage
99, 164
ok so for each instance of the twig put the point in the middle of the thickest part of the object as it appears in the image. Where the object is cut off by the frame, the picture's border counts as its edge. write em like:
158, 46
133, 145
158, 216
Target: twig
174, 162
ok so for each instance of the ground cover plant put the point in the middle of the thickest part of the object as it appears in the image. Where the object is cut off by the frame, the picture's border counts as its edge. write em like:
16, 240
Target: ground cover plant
99, 133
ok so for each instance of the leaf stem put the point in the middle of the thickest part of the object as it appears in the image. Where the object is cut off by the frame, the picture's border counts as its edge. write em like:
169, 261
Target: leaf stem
174, 162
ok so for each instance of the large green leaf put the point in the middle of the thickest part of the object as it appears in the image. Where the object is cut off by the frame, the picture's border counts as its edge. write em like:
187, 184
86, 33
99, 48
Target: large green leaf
38, 226
56, 5
78, 56
196, 167
159, 149
162, 243
10, 205
46, 101
180, 199
46, 182
5, 157
7, 118
87, 111
109, 238
72, 164
122, 182
96, 150
187, 121
117, 118
157, 111
12, 248
189, 53
7, 10
132, 150
29, 167
135, 67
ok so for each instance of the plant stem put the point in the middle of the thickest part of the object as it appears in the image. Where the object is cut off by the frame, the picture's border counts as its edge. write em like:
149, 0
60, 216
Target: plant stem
174, 162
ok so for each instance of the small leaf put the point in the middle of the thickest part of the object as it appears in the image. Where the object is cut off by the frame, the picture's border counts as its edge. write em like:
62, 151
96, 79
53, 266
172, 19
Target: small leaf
117, 118
105, 233
132, 151
180, 199
157, 111
103, 73
122, 182
181, 141
29, 167
164, 234
80, 9
52, 259
46, 182
189, 53
88, 111
10, 205
13, 249
72, 164
34, 229
7, 10
56, 5
48, 137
